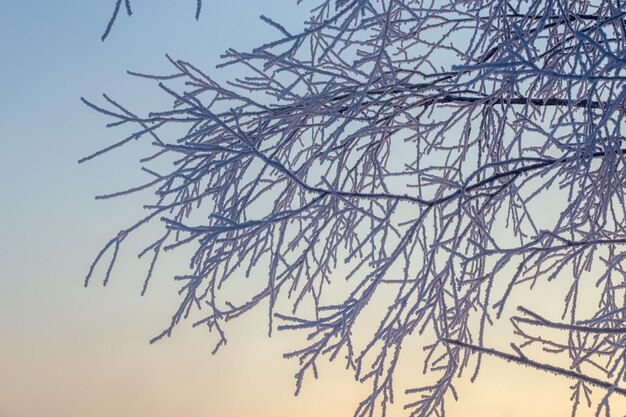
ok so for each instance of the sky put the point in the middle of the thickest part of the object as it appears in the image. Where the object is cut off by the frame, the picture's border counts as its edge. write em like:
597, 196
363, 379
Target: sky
66, 350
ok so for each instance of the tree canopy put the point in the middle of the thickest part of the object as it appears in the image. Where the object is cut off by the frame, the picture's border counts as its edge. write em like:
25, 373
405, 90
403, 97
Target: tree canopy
398, 171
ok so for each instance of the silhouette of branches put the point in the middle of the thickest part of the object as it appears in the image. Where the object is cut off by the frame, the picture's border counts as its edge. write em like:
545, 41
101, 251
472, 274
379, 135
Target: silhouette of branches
435, 158
129, 12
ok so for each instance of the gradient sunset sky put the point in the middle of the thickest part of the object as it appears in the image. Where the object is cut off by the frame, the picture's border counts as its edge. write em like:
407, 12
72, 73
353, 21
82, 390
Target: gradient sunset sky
70, 351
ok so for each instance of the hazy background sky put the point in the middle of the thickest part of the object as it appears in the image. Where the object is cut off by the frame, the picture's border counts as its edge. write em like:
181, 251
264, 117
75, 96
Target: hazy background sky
69, 351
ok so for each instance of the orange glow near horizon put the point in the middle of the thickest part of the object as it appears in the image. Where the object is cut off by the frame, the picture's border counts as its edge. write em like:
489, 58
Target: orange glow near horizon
105, 367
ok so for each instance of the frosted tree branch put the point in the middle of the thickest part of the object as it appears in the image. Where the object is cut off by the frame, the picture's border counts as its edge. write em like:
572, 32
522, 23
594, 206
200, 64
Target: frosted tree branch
395, 174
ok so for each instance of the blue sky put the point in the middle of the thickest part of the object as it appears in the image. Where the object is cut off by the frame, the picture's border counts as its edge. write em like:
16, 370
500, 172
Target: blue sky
66, 350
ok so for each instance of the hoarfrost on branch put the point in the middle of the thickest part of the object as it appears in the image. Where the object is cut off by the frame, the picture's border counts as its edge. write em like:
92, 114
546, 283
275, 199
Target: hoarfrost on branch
435, 158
